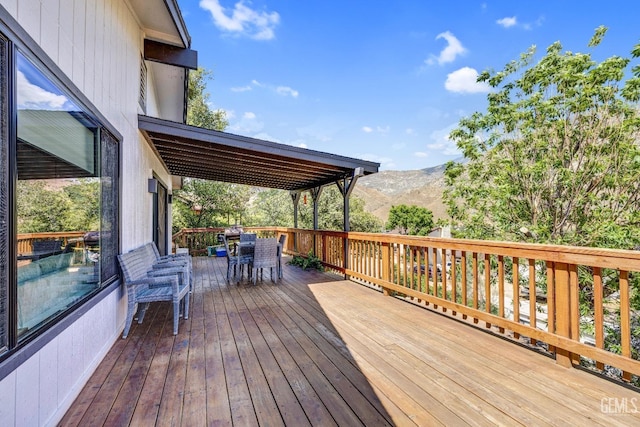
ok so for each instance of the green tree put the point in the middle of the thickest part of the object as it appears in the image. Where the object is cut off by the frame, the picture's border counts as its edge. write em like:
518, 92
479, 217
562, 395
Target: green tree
555, 158
411, 220
49, 206
235, 202
330, 213
198, 111
41, 209
85, 204
272, 208
202, 203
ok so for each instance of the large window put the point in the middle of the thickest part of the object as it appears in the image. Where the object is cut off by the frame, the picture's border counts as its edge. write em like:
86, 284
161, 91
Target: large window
66, 204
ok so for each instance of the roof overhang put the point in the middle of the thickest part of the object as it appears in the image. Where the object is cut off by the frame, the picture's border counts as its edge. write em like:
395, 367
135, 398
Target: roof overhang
161, 20
167, 53
195, 152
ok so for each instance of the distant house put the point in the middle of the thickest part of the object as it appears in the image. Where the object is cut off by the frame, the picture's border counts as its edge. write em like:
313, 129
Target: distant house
94, 93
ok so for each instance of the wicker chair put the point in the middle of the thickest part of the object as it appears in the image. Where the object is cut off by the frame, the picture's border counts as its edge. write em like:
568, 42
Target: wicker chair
241, 259
170, 261
265, 255
145, 285
281, 241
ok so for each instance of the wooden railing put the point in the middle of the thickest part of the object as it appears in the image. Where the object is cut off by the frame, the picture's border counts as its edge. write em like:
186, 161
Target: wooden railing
199, 239
572, 302
25, 240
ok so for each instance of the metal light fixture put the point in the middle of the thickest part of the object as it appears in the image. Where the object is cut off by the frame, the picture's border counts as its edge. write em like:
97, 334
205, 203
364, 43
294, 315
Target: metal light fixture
152, 185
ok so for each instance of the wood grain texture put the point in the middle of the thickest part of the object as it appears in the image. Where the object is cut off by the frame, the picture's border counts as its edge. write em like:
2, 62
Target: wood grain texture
313, 349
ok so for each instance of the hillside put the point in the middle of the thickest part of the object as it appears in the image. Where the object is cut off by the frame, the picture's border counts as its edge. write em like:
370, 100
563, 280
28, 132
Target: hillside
384, 189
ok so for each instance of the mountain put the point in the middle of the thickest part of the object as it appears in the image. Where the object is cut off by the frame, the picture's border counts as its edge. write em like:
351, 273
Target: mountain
384, 189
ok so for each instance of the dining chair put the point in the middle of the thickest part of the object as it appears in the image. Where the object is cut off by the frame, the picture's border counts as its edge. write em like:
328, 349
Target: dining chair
240, 258
248, 237
281, 240
232, 260
265, 255
245, 250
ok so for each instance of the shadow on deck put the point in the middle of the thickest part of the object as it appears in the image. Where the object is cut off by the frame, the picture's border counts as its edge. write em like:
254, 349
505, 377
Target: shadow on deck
316, 350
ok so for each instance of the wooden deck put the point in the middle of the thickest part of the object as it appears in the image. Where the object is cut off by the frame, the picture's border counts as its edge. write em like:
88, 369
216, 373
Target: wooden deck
317, 350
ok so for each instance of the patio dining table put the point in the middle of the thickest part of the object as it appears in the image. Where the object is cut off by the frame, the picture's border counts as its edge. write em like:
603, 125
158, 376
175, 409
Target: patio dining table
245, 248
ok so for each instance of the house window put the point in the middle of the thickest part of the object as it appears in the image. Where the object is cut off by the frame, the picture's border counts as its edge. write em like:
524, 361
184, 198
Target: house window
5, 211
66, 202
142, 100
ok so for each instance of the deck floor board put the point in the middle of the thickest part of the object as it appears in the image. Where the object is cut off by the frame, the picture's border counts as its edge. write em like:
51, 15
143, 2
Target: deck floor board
313, 349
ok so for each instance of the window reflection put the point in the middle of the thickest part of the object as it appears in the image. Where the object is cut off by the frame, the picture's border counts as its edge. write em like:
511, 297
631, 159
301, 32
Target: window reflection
58, 200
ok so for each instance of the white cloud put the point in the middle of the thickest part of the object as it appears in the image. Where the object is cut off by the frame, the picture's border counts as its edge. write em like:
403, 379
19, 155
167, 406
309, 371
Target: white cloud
242, 20
280, 90
378, 129
33, 96
249, 123
410, 131
301, 145
442, 143
285, 90
453, 49
420, 154
241, 89
464, 80
507, 21
537, 23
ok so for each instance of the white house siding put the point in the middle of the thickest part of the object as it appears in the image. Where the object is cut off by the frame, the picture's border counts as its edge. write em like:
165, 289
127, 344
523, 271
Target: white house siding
97, 44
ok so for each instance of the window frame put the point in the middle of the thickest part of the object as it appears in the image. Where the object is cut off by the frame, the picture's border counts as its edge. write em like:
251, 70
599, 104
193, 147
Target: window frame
17, 351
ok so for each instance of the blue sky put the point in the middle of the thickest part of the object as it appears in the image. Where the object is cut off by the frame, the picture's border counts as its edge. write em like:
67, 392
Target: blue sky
379, 80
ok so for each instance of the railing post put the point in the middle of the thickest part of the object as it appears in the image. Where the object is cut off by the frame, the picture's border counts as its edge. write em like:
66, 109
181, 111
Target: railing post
562, 311
324, 247
385, 265
345, 255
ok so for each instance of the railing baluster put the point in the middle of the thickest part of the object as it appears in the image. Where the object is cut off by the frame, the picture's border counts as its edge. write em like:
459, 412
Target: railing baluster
574, 295
625, 320
533, 321
515, 278
475, 279
443, 257
454, 284
487, 285
463, 280
501, 289
598, 311
551, 301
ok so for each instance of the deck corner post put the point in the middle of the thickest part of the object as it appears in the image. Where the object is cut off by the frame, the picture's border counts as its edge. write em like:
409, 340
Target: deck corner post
385, 261
562, 312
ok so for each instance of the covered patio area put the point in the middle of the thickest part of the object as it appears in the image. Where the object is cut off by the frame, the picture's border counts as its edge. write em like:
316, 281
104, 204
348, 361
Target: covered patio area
314, 349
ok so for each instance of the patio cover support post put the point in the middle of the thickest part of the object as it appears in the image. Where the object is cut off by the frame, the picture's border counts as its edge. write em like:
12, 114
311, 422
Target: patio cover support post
346, 186
315, 196
295, 197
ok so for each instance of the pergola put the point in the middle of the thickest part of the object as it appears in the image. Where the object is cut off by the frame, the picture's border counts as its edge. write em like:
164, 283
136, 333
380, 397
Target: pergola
190, 151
